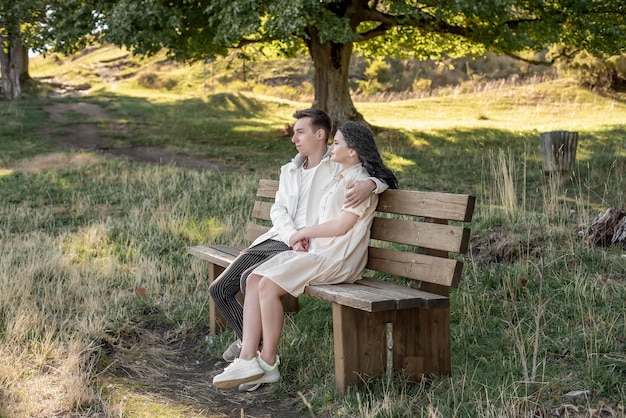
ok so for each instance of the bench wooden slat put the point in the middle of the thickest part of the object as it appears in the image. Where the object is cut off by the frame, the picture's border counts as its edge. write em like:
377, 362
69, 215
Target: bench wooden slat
375, 296
261, 210
353, 295
408, 298
255, 230
222, 255
422, 234
442, 271
437, 205
267, 188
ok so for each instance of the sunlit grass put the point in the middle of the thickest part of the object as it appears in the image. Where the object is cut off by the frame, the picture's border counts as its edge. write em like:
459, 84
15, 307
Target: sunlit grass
397, 163
129, 400
555, 105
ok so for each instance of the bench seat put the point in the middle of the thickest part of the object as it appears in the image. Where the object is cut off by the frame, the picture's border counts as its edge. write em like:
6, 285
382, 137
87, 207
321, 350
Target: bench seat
222, 255
374, 295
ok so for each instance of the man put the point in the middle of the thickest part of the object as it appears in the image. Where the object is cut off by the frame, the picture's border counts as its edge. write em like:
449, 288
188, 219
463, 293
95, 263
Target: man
303, 182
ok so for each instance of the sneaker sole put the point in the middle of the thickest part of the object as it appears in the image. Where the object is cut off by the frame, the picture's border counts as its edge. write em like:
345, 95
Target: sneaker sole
249, 387
226, 384
253, 385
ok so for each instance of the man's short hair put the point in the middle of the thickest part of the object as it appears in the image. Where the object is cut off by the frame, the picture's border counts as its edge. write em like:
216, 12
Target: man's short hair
319, 120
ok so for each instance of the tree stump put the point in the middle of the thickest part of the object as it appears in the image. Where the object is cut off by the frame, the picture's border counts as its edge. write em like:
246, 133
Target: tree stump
558, 149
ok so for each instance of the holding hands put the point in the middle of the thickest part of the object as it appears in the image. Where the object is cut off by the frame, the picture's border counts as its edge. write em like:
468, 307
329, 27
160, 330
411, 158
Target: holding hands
299, 242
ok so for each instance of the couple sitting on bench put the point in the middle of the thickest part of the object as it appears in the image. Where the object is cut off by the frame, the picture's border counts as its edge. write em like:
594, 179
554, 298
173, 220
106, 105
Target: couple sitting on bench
321, 226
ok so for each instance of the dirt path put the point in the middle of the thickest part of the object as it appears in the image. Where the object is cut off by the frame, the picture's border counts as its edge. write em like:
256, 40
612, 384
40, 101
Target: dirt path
175, 373
85, 137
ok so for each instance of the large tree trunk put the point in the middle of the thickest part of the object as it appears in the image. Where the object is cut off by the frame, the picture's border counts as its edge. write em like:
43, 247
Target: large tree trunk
24, 73
10, 66
331, 62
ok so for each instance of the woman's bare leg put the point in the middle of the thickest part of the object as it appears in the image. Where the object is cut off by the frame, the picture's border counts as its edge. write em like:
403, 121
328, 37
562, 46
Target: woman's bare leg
252, 327
272, 316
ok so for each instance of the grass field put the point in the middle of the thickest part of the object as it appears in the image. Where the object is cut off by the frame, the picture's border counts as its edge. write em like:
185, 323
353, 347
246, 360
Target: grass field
540, 312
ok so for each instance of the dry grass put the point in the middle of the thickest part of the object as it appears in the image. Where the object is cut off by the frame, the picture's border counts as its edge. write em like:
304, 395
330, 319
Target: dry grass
57, 160
47, 379
45, 363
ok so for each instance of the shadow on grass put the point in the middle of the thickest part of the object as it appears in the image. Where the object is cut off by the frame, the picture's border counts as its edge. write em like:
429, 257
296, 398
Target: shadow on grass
248, 135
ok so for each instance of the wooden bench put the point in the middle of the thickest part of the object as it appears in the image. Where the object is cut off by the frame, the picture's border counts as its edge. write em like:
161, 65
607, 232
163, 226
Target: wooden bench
380, 327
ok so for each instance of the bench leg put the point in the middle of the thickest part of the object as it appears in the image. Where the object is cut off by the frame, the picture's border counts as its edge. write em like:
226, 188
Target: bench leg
290, 303
420, 343
215, 317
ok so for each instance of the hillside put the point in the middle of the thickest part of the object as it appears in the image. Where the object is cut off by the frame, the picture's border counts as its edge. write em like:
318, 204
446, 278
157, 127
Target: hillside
498, 98
108, 68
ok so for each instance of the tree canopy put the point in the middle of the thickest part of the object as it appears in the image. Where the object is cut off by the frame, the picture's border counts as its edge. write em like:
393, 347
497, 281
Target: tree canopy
331, 30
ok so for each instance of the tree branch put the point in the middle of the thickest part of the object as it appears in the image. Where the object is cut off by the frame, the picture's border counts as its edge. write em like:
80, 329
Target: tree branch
387, 22
540, 62
246, 42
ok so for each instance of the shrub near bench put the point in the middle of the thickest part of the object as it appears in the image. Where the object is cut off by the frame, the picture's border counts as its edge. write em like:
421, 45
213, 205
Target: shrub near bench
380, 327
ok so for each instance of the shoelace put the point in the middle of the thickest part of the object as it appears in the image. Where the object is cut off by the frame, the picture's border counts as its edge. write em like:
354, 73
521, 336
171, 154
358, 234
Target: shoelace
231, 365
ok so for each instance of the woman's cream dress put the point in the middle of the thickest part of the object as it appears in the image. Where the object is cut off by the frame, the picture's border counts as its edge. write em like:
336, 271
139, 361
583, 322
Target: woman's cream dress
329, 260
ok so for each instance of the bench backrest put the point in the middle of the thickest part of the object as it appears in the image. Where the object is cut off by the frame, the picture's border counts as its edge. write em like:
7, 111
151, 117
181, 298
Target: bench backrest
411, 233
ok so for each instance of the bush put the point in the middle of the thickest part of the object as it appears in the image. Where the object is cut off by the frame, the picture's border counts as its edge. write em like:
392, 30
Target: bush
368, 87
380, 71
421, 85
595, 72
151, 80
238, 85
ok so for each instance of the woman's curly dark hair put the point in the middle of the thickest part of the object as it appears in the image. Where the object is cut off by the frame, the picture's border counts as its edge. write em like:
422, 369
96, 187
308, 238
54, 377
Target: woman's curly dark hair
361, 139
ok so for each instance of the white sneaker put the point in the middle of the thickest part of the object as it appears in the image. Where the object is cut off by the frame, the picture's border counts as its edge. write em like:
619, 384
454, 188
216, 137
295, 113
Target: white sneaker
240, 371
232, 352
271, 375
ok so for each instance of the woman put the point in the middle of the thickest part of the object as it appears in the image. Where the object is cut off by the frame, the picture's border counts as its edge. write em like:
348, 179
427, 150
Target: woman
333, 251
